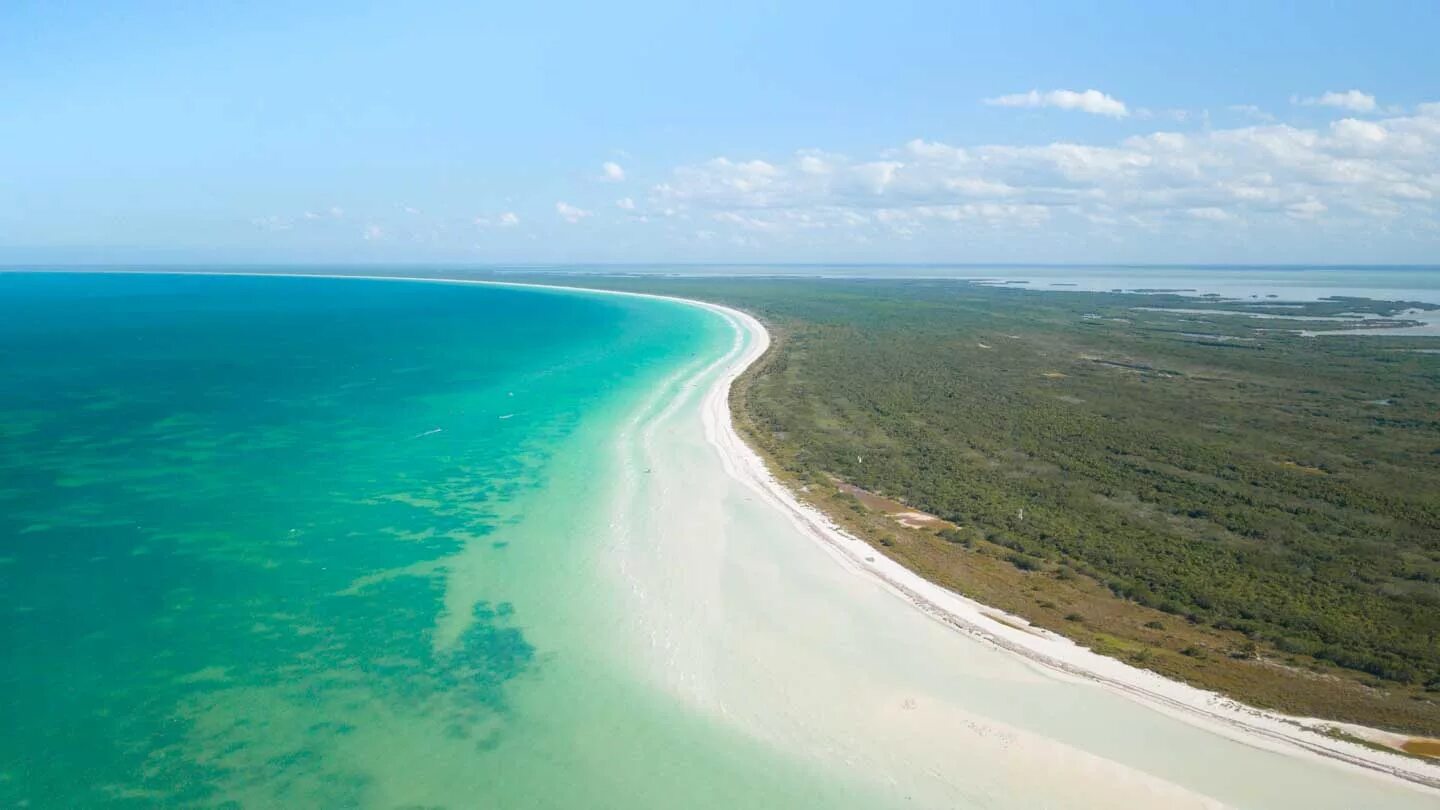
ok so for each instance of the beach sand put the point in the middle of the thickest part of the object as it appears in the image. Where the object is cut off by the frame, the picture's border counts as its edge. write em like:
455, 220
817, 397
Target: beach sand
755, 608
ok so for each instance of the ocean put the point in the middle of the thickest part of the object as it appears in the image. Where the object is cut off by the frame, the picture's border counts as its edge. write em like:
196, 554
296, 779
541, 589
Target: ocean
325, 543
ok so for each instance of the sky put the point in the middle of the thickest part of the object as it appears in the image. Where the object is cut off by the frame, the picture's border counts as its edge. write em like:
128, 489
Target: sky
254, 132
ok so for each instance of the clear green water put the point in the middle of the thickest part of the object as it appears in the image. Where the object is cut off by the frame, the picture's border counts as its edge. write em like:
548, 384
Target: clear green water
325, 543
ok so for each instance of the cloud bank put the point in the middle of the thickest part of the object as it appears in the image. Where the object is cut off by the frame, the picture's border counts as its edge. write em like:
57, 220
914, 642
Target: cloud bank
1352, 100
1349, 174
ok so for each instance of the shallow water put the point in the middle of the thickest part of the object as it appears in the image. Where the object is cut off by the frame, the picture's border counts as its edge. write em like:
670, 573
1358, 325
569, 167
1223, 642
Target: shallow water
310, 542
325, 543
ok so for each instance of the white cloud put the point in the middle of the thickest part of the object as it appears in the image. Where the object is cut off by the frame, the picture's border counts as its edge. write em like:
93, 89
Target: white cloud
1352, 100
1089, 101
570, 213
373, 233
1357, 135
508, 219
625, 204
612, 171
1351, 171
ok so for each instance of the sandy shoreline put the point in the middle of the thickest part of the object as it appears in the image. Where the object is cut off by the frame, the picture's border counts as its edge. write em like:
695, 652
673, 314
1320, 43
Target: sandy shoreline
1051, 654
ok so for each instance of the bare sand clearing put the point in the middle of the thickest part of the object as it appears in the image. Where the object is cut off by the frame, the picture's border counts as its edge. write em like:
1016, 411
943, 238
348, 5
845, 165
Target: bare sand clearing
898, 511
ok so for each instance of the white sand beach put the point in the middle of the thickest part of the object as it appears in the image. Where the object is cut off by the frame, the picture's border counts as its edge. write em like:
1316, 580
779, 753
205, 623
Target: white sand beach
752, 608
762, 611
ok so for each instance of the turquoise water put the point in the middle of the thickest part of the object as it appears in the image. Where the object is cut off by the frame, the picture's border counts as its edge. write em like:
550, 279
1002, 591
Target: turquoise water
310, 542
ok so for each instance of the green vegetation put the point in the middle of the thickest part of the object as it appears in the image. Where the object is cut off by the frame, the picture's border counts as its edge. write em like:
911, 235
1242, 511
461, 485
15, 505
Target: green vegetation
1278, 496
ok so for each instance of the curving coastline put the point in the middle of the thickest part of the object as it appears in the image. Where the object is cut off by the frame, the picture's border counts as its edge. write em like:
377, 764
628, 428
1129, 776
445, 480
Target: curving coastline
1056, 655
1048, 653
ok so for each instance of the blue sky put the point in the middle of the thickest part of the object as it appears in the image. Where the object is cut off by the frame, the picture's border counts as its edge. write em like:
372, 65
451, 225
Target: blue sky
937, 132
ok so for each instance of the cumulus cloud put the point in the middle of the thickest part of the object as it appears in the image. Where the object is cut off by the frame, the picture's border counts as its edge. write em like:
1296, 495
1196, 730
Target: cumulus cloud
625, 204
1352, 100
1346, 173
570, 213
1089, 101
373, 233
612, 171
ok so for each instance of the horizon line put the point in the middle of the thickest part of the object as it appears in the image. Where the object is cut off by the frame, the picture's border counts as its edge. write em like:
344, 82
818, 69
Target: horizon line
523, 266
